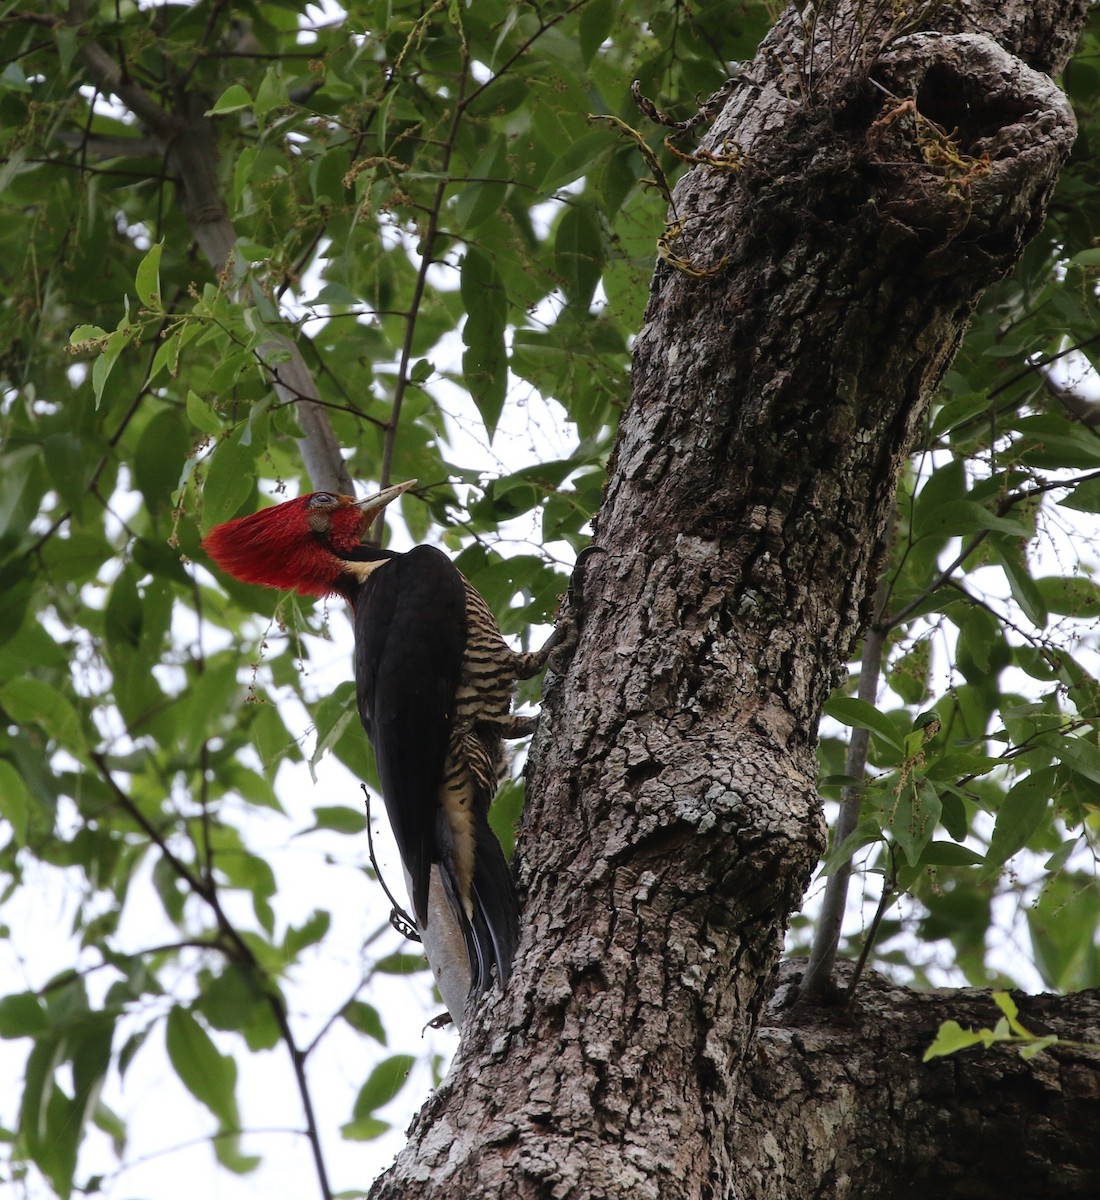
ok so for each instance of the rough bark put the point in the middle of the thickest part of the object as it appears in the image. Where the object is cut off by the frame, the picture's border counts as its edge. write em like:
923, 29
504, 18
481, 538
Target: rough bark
841, 1104
828, 257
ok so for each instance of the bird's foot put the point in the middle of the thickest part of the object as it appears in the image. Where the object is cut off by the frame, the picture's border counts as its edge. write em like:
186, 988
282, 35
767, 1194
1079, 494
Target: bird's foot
560, 645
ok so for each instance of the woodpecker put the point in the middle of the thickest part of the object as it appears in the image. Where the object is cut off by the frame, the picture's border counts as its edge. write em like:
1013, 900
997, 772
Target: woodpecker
434, 681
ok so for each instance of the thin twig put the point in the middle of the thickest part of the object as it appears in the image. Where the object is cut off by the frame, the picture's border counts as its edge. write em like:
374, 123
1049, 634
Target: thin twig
237, 948
399, 918
889, 893
817, 980
187, 140
426, 261
385, 927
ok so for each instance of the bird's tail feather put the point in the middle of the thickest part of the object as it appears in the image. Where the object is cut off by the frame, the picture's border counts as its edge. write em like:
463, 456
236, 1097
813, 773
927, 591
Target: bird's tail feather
496, 908
492, 932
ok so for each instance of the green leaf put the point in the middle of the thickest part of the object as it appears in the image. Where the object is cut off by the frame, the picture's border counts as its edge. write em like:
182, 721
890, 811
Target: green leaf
401, 964
483, 195
1008, 1006
959, 410
578, 253
23, 1015
908, 675
49, 1121
949, 854
109, 1122
335, 716
32, 702
340, 818
229, 481
953, 816
915, 816
67, 46
1050, 441
366, 1129
13, 166
83, 334
1058, 860
105, 363
307, 934
272, 93
383, 1083
596, 21
1063, 926
865, 833
959, 517
850, 711
235, 1000
1078, 753
1072, 595
485, 361
364, 1018
201, 415
1021, 584
14, 79
1085, 497
209, 1075
227, 1150
950, 1040
1021, 814
233, 99
982, 650
1038, 1045
577, 159
15, 802
147, 278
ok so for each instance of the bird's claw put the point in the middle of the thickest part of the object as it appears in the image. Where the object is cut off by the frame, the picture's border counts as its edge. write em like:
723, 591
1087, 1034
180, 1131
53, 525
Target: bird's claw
565, 639
563, 642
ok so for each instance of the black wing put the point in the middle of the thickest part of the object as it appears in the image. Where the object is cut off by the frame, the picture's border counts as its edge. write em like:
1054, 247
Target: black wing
410, 639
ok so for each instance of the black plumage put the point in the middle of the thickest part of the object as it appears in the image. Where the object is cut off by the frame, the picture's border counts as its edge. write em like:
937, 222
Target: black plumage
438, 748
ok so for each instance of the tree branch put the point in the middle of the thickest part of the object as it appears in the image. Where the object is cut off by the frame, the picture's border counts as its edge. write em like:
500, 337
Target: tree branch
820, 284
186, 138
427, 258
817, 983
849, 1107
237, 948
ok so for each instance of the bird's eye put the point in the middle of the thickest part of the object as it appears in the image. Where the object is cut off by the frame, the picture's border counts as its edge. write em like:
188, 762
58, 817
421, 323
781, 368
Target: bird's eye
322, 500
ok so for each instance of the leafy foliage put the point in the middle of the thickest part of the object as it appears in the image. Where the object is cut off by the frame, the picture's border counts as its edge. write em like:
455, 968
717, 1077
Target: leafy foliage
415, 199
420, 204
988, 615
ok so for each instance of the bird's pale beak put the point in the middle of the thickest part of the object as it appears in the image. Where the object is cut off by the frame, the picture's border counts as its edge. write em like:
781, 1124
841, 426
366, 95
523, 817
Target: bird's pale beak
373, 505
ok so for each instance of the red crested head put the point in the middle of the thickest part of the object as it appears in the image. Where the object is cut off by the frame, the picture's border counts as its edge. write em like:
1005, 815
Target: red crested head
301, 545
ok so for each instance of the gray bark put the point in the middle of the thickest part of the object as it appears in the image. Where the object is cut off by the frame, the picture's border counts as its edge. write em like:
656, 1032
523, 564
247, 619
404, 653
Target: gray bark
672, 823
842, 1105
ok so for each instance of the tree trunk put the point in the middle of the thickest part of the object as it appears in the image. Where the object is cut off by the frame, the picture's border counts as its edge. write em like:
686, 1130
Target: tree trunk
822, 264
